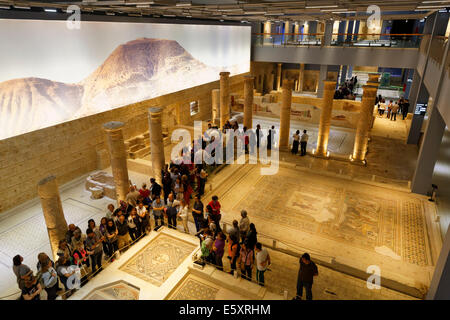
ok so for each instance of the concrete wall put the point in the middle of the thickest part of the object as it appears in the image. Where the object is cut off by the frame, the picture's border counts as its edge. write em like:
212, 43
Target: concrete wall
69, 150
390, 58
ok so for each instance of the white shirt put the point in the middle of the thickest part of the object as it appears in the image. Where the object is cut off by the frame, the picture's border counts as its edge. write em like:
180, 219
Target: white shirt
184, 212
304, 138
261, 258
141, 211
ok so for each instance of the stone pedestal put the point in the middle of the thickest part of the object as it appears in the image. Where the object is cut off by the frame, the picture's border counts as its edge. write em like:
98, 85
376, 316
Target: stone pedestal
156, 142
248, 101
215, 97
325, 119
285, 114
118, 158
224, 98
53, 212
279, 77
363, 127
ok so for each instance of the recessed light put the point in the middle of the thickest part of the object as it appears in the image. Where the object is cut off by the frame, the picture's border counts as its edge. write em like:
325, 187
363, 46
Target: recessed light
50, 10
20, 7
319, 7
5, 7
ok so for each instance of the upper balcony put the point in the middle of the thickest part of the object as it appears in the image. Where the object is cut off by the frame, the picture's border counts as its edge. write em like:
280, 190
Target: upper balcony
382, 50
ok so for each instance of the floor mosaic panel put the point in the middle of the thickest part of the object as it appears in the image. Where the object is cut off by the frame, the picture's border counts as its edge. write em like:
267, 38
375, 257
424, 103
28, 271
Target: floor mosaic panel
358, 218
195, 290
117, 291
159, 259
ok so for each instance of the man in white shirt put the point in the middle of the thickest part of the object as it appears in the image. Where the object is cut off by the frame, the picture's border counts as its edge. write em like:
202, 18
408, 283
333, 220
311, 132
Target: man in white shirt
262, 262
303, 142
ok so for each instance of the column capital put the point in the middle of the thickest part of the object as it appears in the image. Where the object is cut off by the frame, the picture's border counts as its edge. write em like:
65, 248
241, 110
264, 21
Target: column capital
287, 84
225, 74
249, 78
113, 125
46, 180
329, 85
155, 110
280, 64
373, 77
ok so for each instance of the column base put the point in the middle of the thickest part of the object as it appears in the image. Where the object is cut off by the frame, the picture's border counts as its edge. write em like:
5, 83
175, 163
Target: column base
362, 163
321, 156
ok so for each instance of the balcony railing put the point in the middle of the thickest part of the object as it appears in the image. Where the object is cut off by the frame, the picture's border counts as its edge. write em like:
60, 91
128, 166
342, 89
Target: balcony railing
338, 39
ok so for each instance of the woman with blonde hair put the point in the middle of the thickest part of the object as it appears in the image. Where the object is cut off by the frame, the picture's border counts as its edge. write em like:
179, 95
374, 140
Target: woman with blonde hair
49, 279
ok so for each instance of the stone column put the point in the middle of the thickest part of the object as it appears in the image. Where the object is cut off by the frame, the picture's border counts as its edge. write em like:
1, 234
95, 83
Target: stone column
224, 98
323, 75
156, 142
118, 158
53, 212
215, 96
279, 77
248, 101
301, 75
374, 77
285, 114
363, 127
325, 119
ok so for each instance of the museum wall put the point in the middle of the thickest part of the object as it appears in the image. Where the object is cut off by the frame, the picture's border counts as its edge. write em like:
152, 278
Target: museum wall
71, 149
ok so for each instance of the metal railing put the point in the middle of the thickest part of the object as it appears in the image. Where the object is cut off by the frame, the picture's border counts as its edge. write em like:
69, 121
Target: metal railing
338, 39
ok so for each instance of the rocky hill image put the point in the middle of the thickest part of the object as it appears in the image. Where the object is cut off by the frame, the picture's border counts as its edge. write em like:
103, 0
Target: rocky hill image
137, 70
31, 103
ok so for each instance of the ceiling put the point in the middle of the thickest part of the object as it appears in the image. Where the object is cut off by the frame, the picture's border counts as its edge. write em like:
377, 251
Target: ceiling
244, 11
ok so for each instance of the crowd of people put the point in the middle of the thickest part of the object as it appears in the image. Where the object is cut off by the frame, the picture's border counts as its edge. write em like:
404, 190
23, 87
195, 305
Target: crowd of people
82, 255
345, 90
392, 108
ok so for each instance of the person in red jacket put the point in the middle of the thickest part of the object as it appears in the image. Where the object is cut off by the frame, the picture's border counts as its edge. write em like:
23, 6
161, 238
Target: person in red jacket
215, 215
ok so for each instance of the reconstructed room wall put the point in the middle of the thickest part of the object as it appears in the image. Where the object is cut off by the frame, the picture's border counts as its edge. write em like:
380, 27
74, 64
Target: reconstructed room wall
69, 150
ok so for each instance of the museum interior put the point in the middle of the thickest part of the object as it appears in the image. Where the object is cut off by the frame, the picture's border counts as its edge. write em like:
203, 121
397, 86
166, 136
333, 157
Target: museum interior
327, 126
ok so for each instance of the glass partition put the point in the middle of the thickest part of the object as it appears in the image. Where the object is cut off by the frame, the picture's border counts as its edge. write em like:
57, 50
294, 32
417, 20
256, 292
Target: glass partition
338, 39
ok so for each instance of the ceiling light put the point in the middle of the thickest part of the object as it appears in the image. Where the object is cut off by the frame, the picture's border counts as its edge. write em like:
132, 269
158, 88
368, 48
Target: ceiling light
188, 16
319, 7
5, 7
254, 12
429, 7
221, 20
137, 3
327, 10
142, 6
183, 4
235, 9
110, 14
434, 1
169, 15
19, 7
50, 10
274, 14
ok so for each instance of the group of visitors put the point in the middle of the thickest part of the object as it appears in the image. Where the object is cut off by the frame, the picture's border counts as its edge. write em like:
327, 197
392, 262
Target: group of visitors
299, 140
345, 90
392, 108
240, 245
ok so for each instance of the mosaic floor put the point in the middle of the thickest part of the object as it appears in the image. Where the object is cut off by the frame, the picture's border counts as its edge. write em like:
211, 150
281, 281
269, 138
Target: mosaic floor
344, 220
195, 290
341, 140
159, 259
117, 291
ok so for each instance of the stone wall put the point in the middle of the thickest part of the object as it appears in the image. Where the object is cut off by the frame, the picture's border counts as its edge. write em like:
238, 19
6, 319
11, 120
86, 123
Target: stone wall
71, 149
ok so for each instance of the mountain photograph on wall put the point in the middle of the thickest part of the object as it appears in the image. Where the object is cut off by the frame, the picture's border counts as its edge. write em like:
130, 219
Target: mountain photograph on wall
137, 70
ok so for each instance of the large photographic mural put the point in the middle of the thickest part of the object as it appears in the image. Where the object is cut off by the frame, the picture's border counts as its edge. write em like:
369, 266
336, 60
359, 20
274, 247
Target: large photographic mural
50, 74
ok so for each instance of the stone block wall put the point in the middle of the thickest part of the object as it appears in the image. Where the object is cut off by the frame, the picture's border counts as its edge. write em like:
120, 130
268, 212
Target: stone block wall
72, 149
